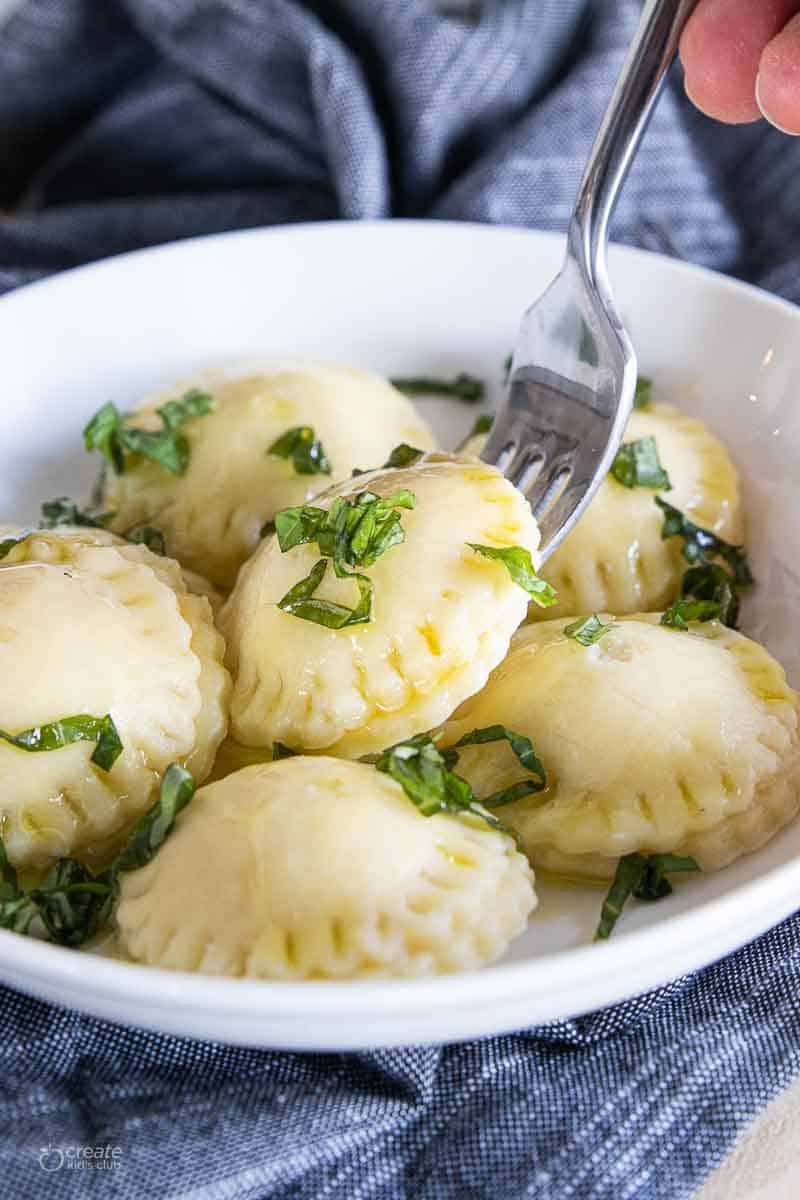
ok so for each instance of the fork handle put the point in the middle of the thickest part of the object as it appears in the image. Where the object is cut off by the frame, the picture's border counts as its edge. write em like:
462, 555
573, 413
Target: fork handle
643, 72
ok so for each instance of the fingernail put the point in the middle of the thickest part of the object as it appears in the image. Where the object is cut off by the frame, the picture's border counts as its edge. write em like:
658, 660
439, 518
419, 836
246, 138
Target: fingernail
765, 114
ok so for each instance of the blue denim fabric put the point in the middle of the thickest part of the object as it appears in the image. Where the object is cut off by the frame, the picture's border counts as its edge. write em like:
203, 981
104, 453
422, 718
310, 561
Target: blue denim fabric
129, 122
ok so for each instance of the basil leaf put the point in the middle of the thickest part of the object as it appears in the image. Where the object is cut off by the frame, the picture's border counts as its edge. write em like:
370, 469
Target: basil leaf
462, 387
281, 750
194, 403
108, 432
517, 561
404, 456
177, 789
103, 433
522, 747
422, 772
16, 910
706, 583
304, 448
301, 602
70, 902
149, 536
81, 728
642, 876
643, 395
637, 465
425, 775
587, 630
700, 545
352, 532
64, 511
682, 611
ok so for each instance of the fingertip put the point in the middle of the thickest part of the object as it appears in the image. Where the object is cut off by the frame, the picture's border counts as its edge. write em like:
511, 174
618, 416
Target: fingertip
719, 65
778, 82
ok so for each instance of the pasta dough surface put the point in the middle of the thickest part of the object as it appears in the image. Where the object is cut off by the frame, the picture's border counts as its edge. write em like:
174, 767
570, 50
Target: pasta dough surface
212, 516
89, 626
322, 868
442, 618
652, 740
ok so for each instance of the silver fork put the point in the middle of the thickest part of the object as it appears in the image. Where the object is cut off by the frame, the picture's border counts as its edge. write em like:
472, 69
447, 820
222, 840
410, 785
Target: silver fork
573, 374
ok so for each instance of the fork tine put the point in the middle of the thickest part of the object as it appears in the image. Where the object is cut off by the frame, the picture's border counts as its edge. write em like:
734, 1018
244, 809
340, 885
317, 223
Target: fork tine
527, 463
548, 486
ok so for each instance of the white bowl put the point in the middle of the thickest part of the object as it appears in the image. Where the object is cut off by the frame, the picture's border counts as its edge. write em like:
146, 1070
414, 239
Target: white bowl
406, 298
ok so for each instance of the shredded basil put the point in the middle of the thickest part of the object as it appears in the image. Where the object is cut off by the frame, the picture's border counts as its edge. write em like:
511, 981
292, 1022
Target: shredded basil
352, 533
404, 456
462, 387
481, 424
109, 433
64, 511
642, 876
301, 602
517, 561
426, 774
643, 395
70, 904
637, 465
81, 728
304, 448
587, 630
709, 590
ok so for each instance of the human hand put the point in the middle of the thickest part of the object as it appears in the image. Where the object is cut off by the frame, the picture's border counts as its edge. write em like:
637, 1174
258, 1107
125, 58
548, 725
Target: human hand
742, 61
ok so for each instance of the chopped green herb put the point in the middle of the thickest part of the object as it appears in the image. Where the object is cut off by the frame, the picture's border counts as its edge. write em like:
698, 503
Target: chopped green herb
301, 602
587, 630
709, 590
148, 834
637, 465
642, 876
643, 396
681, 612
404, 456
304, 448
352, 533
463, 387
517, 561
109, 433
147, 535
64, 512
81, 728
426, 774
70, 903
522, 747
281, 750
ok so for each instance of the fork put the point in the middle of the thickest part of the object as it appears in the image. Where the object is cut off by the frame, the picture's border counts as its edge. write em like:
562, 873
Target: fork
573, 374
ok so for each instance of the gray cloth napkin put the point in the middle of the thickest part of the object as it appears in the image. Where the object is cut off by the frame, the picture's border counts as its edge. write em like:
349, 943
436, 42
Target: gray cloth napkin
129, 122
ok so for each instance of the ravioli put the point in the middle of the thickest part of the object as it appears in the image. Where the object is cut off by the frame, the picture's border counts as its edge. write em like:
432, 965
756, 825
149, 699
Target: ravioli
212, 516
321, 868
653, 740
89, 626
442, 619
615, 559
